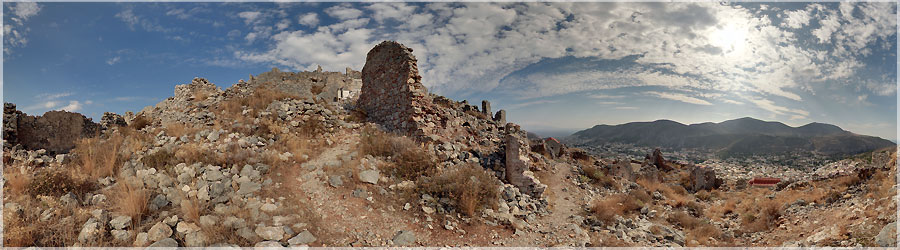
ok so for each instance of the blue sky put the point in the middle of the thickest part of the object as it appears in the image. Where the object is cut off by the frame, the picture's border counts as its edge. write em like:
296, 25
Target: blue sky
552, 66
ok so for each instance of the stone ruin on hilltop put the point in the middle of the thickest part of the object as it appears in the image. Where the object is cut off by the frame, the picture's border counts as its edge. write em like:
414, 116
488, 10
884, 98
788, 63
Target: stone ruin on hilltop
393, 96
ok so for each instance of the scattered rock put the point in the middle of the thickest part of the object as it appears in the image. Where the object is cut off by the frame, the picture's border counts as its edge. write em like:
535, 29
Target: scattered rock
335, 181
303, 238
887, 237
270, 233
159, 231
267, 244
120, 222
369, 176
404, 238
167, 242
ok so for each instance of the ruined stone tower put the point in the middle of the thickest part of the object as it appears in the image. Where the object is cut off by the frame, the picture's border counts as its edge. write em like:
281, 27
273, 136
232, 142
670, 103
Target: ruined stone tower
392, 93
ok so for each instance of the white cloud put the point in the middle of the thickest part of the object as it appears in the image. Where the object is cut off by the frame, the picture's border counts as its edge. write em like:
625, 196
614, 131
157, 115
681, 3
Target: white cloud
25, 10
133, 20
626, 108
770, 106
15, 32
687, 47
343, 12
384, 11
283, 24
309, 19
72, 107
250, 17
796, 19
526, 104
113, 60
679, 97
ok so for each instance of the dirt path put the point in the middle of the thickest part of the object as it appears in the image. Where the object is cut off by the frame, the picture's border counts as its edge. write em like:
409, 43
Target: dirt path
561, 227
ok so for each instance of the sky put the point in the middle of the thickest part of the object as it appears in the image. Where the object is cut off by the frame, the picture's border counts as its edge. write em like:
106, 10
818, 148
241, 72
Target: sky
555, 67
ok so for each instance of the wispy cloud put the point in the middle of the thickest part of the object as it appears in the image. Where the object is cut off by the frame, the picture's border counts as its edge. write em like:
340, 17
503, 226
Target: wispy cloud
679, 97
531, 103
626, 108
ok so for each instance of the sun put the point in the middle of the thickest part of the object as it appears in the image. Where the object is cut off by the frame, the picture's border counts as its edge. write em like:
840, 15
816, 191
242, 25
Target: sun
731, 39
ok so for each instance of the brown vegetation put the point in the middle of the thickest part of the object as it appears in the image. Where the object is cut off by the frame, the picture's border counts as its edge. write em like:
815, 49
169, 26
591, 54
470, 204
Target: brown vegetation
98, 158
410, 159
130, 200
607, 208
469, 185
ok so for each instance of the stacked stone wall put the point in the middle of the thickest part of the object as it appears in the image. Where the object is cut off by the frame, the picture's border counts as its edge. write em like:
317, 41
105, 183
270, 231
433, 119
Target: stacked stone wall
392, 92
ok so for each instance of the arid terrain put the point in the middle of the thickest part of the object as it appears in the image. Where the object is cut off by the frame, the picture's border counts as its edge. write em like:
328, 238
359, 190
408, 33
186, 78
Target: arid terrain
371, 158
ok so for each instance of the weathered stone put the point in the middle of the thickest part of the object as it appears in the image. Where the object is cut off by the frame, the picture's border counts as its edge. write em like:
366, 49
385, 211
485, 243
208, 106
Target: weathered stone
554, 147
335, 181
120, 222
500, 117
657, 159
303, 238
486, 108
141, 240
55, 131
159, 231
622, 169
89, 231
195, 239
887, 237
268, 244
404, 238
369, 176
517, 167
167, 242
121, 235
392, 93
270, 233
109, 120
704, 179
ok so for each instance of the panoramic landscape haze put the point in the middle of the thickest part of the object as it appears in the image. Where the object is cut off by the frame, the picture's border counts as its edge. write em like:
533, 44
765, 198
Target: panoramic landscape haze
289, 124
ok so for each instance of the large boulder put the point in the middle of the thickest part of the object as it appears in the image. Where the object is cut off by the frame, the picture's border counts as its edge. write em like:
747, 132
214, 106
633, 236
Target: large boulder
657, 159
622, 169
704, 179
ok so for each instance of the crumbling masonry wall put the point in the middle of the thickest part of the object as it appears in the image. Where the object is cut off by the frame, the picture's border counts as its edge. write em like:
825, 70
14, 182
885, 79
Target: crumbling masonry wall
55, 131
392, 93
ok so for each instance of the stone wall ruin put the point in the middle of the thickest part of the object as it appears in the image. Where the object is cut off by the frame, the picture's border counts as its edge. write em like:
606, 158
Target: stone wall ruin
55, 131
392, 92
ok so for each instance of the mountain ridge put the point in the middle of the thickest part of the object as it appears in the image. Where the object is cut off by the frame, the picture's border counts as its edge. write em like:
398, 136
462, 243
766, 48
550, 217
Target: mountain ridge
740, 136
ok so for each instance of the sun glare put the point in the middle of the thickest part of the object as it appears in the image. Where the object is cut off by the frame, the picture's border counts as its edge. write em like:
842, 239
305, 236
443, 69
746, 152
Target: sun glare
730, 39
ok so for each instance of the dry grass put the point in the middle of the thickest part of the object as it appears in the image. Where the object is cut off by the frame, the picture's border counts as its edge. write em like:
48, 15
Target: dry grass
676, 196
161, 159
98, 158
469, 185
410, 159
56, 182
139, 122
596, 175
607, 208
192, 208
762, 216
261, 97
27, 229
16, 182
130, 200
695, 229
177, 129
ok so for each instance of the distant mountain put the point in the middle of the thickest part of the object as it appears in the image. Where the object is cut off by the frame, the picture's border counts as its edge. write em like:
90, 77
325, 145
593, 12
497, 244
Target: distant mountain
742, 136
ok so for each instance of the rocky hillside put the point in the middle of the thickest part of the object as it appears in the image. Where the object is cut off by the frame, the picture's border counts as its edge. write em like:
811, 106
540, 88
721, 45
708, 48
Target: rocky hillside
283, 160
744, 136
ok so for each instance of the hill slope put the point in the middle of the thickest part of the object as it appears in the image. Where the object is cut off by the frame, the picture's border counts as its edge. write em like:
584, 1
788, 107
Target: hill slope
733, 137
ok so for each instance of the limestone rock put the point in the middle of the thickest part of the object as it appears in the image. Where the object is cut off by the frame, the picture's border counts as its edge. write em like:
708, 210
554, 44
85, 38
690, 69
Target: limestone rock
270, 233
303, 238
120, 222
369, 176
167, 242
887, 237
404, 238
159, 231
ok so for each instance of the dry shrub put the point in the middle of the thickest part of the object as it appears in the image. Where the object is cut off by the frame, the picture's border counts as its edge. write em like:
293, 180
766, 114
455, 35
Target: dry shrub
469, 185
695, 229
139, 122
261, 97
357, 115
16, 183
410, 160
191, 153
177, 129
191, 209
676, 195
597, 176
848, 181
130, 200
56, 182
160, 159
99, 158
607, 208
763, 216
26, 229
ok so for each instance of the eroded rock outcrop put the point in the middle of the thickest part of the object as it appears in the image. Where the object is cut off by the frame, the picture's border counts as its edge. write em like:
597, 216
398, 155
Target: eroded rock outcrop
704, 179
